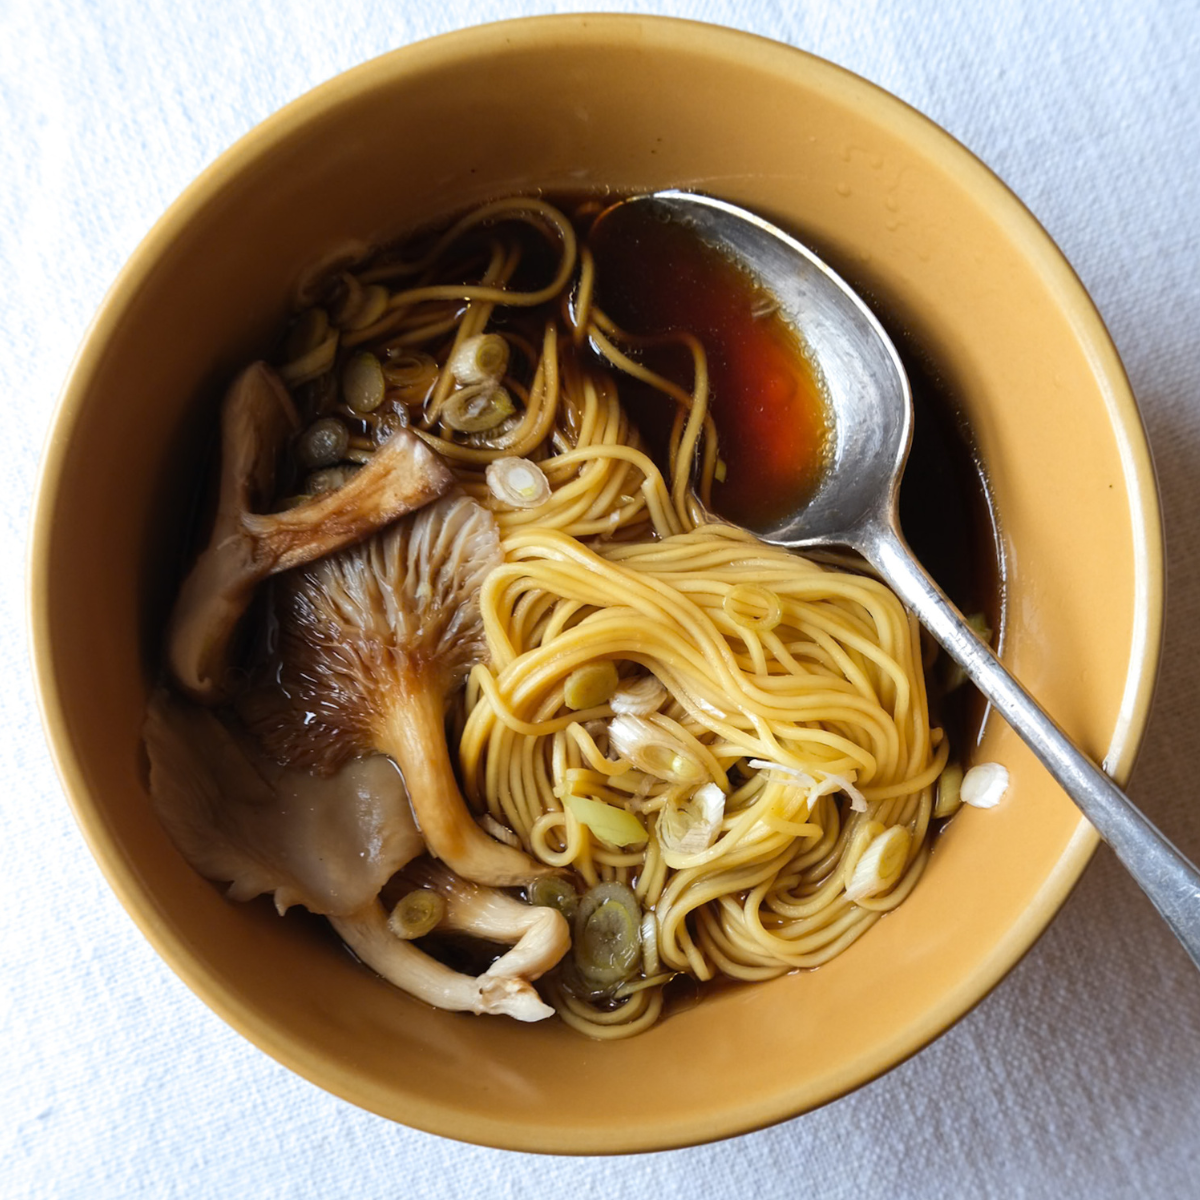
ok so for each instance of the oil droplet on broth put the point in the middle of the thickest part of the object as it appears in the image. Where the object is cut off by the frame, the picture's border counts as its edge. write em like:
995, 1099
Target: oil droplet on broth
657, 277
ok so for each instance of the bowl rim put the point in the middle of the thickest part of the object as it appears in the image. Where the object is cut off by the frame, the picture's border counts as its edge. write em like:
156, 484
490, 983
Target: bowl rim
757, 52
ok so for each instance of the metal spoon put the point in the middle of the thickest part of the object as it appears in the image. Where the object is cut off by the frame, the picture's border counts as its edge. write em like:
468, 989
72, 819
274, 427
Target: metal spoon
855, 505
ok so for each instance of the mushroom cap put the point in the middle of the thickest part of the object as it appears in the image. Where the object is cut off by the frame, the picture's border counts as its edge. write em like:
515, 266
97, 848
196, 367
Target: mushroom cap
246, 545
365, 629
237, 817
402, 475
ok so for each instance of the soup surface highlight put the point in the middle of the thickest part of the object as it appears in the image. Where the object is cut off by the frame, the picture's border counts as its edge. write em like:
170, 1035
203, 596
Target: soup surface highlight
466, 666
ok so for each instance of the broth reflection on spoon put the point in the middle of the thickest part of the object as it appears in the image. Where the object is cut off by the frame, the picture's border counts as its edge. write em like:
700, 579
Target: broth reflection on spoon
854, 504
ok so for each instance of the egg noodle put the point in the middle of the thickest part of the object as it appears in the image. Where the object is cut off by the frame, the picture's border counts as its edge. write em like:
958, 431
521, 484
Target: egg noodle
795, 689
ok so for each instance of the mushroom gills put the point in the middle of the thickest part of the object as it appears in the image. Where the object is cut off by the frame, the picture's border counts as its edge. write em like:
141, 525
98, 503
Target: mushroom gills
372, 643
539, 938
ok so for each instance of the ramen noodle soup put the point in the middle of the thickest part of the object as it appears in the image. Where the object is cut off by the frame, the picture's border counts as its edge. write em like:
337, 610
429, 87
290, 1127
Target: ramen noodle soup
479, 660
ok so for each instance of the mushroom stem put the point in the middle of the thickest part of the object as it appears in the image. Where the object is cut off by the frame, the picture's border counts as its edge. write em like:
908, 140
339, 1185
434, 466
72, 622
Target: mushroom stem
414, 736
412, 970
539, 936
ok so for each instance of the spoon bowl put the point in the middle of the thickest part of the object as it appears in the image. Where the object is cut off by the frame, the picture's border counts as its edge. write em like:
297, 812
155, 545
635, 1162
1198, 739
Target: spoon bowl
859, 370
855, 505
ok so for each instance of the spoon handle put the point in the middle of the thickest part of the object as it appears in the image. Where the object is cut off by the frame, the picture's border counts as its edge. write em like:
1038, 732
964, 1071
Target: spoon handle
1161, 871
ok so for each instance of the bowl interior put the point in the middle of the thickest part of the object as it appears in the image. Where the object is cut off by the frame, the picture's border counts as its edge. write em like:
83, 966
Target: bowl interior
626, 104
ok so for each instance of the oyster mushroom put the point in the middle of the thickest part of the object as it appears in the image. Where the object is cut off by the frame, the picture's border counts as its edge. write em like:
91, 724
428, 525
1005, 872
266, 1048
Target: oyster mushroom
372, 642
329, 843
539, 938
247, 546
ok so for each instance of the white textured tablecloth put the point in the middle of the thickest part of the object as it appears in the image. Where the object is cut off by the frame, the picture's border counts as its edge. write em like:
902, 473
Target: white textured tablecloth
1078, 1076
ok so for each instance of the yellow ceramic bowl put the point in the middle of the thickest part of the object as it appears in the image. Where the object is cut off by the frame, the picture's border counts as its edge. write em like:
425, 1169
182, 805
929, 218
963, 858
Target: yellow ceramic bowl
627, 103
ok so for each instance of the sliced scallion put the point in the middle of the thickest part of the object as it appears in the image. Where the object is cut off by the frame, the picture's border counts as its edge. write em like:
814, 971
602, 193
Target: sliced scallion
518, 482
949, 791
881, 864
323, 443
552, 891
477, 409
417, 914
363, 384
638, 697
607, 942
617, 826
654, 751
480, 359
591, 685
693, 825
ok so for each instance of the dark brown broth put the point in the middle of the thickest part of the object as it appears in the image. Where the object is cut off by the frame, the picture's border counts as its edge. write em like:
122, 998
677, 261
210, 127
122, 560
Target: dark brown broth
655, 277
947, 517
